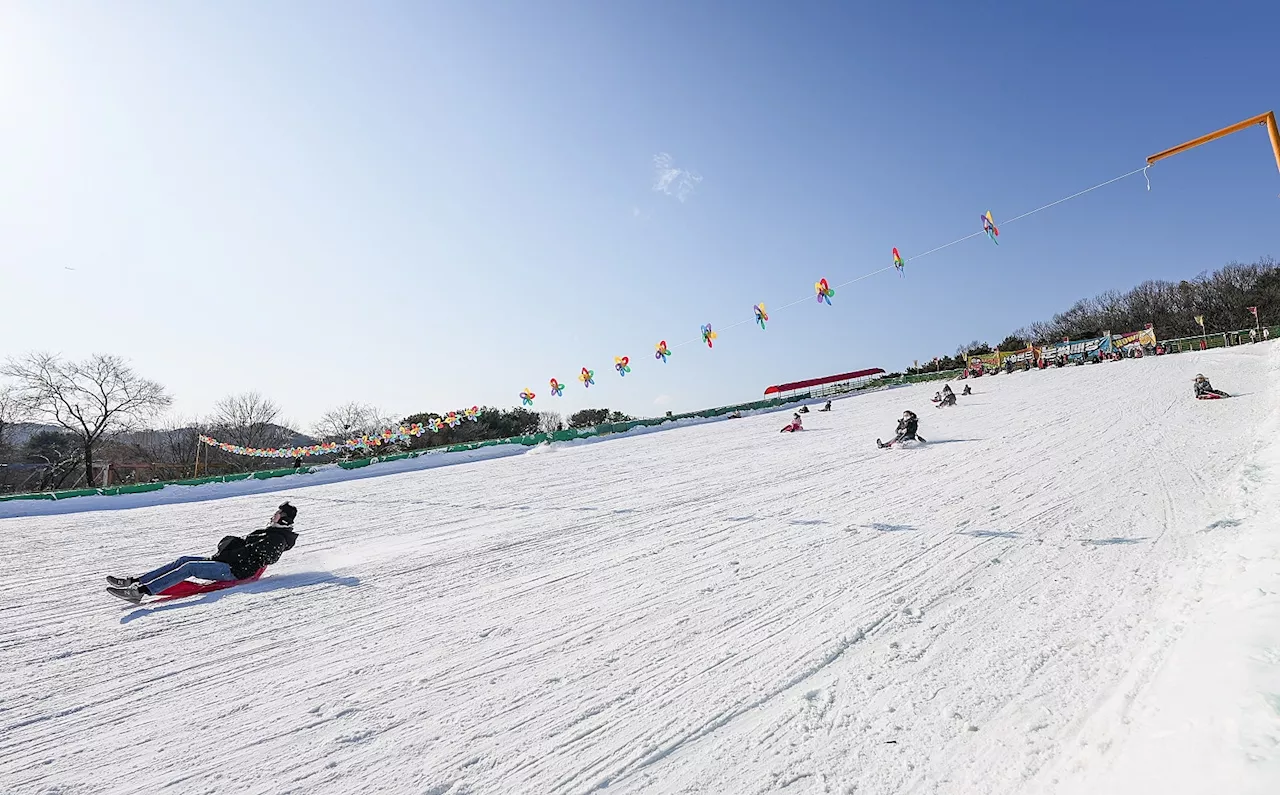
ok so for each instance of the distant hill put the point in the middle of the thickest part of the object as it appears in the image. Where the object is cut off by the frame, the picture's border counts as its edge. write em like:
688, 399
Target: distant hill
20, 433
294, 438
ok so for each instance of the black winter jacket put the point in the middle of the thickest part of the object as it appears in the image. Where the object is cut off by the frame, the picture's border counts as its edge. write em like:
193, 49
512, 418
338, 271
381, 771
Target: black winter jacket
907, 428
256, 550
1205, 388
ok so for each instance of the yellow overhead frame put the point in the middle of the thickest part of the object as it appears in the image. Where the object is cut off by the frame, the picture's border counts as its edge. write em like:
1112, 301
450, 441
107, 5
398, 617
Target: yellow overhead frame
1268, 119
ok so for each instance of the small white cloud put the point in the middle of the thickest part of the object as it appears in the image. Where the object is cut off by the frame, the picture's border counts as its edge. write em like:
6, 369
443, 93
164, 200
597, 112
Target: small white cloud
635, 212
673, 181
662, 400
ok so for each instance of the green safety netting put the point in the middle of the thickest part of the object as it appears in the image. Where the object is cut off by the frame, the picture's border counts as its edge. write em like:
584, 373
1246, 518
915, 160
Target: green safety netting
527, 441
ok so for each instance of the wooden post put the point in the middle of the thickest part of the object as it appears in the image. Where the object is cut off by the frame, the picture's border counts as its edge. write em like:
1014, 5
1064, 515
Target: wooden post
195, 473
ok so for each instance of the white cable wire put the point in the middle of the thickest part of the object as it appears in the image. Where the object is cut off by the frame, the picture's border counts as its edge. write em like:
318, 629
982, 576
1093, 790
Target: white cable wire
957, 241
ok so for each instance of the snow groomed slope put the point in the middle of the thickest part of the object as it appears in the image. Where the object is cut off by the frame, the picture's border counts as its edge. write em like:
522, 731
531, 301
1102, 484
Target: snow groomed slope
1069, 589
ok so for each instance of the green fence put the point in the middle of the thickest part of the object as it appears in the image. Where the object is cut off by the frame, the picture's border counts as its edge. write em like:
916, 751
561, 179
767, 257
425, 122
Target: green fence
528, 441
1217, 339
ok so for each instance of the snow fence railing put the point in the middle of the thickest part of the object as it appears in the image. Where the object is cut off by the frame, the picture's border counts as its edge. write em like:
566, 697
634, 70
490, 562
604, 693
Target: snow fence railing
527, 441
1219, 339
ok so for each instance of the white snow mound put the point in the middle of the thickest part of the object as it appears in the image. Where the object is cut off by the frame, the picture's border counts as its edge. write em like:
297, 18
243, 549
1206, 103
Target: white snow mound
1073, 587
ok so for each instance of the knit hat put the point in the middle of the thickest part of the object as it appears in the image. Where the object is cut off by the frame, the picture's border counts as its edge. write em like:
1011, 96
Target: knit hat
287, 513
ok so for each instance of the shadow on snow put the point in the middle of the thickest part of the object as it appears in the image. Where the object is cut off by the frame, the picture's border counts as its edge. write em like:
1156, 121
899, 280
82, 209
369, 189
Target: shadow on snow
279, 582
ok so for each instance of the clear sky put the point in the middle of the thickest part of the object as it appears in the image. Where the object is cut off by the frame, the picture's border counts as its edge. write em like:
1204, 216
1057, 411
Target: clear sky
432, 205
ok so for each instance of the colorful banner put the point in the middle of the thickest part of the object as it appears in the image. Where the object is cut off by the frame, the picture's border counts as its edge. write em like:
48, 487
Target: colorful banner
1020, 358
388, 436
1075, 351
1146, 338
986, 361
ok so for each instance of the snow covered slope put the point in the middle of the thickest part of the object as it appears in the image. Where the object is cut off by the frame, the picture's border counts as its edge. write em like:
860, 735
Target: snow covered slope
1070, 573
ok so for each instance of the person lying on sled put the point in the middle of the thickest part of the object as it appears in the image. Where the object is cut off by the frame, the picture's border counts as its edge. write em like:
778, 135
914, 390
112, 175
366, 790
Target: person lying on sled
796, 425
236, 559
1205, 390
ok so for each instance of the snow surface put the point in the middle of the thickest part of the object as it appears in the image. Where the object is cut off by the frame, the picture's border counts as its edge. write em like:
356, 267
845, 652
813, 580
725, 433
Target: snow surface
1074, 587
323, 474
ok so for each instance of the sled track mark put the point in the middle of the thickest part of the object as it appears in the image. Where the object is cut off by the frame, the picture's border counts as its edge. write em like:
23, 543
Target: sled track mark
728, 715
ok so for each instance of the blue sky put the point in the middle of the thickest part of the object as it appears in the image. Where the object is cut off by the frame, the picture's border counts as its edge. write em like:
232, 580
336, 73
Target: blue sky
426, 206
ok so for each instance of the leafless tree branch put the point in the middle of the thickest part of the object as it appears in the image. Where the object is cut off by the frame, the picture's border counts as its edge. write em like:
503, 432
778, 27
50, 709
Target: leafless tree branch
248, 419
351, 419
93, 399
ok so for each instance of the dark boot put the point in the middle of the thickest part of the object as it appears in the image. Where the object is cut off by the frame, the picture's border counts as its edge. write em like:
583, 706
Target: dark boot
133, 593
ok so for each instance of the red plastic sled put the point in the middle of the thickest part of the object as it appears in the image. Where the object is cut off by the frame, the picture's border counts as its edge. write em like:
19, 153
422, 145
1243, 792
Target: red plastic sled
1210, 397
191, 587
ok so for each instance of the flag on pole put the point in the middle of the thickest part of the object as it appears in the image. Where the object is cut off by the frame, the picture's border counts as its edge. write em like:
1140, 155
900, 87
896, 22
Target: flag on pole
1200, 321
1254, 310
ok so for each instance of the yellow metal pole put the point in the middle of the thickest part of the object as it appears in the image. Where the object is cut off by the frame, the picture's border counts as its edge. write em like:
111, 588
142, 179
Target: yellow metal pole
1267, 119
1213, 136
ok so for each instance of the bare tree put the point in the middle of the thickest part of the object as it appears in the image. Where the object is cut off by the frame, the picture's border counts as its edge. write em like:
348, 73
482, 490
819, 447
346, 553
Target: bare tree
550, 421
975, 348
58, 455
351, 419
248, 419
172, 445
93, 399
12, 410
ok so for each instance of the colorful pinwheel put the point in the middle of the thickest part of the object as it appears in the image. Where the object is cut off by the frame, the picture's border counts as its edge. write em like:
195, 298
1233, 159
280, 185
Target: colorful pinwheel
708, 336
989, 226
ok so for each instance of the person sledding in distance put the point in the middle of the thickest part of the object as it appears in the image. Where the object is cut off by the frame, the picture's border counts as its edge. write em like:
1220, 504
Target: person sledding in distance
907, 427
968, 390
237, 559
937, 397
1205, 390
948, 397
803, 410
826, 407
795, 425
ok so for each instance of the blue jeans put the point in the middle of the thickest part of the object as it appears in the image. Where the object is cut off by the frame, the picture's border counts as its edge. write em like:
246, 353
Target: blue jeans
182, 568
